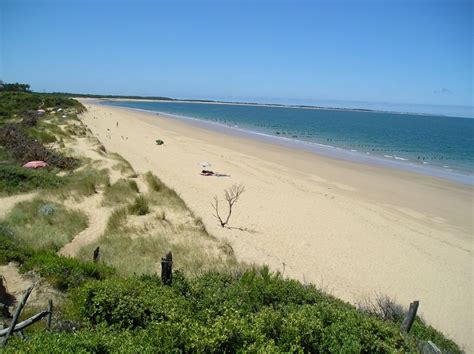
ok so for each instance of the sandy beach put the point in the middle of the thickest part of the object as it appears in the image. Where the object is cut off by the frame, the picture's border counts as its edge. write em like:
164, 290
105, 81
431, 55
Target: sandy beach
354, 230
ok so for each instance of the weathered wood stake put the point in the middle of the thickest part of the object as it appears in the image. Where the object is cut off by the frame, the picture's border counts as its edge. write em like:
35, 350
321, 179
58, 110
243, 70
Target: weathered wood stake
50, 315
96, 254
167, 269
408, 321
17, 314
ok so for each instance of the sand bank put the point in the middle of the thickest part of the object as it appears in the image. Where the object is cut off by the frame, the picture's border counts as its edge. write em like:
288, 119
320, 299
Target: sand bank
354, 229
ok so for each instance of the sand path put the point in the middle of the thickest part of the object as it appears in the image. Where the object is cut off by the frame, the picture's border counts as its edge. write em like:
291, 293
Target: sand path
97, 215
17, 283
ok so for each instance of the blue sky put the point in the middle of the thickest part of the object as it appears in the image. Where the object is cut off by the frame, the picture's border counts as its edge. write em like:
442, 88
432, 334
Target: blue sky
378, 51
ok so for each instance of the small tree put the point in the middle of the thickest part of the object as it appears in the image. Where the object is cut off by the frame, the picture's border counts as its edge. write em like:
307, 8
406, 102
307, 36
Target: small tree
232, 196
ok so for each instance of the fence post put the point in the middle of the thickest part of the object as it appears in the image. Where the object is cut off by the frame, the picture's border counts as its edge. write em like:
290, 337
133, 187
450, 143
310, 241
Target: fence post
96, 255
50, 315
167, 269
408, 321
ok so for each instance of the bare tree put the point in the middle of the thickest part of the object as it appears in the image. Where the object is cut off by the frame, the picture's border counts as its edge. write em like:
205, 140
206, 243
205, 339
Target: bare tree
232, 196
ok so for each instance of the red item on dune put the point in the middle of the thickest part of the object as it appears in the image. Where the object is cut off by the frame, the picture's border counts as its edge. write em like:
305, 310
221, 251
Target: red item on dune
35, 164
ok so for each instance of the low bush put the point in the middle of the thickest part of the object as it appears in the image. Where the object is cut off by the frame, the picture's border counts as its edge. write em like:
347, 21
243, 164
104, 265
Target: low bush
130, 303
17, 102
16, 179
44, 137
23, 149
256, 312
64, 272
10, 249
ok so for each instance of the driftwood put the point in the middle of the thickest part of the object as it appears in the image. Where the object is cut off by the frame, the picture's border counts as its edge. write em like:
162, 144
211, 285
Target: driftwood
408, 321
167, 269
19, 327
17, 314
22, 325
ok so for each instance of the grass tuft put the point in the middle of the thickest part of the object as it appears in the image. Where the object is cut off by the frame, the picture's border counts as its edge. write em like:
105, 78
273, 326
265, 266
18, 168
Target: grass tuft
139, 206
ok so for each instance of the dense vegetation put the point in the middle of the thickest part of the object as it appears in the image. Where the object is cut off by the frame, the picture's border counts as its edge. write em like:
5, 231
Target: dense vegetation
14, 87
14, 103
109, 311
86, 95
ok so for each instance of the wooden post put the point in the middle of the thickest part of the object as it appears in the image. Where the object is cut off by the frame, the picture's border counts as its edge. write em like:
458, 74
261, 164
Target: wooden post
167, 269
50, 315
17, 314
96, 255
408, 321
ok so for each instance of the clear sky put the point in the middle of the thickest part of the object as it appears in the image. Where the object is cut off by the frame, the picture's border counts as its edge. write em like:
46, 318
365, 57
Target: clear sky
391, 51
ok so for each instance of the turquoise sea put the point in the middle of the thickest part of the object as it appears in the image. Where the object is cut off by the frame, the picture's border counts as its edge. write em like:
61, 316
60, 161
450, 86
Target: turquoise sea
436, 145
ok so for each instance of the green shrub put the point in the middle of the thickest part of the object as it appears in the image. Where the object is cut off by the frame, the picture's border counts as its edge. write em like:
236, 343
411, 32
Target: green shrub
42, 136
256, 312
64, 272
16, 179
423, 331
139, 206
10, 249
17, 102
130, 303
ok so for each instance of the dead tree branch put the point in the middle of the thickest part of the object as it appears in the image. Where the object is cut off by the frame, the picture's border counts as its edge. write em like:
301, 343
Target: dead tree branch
22, 325
232, 196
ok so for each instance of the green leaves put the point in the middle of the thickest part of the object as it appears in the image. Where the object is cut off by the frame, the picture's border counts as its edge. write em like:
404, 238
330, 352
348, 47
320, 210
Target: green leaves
64, 272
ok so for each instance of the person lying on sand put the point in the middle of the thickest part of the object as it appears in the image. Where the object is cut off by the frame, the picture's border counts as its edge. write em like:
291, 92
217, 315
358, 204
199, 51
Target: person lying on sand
212, 173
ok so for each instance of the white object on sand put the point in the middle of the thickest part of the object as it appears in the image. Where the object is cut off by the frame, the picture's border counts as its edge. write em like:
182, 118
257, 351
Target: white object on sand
204, 164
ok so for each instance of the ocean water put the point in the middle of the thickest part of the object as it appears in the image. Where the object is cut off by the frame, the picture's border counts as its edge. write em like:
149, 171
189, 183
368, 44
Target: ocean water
437, 145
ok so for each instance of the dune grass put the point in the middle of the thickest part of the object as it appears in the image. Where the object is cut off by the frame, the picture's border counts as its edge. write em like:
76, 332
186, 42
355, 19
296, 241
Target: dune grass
161, 194
43, 224
122, 191
134, 251
84, 183
117, 219
140, 206
139, 233
122, 165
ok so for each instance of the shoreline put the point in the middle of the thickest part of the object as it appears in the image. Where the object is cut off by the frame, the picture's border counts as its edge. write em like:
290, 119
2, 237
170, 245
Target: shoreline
353, 229
334, 152
366, 110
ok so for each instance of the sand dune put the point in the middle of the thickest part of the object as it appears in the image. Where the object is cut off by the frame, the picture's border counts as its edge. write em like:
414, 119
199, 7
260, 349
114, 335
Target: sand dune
356, 230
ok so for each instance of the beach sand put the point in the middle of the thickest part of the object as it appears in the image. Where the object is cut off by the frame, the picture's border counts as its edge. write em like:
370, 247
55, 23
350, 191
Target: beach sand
355, 230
